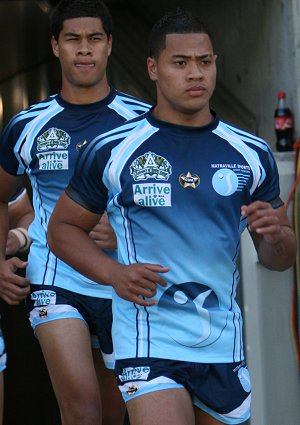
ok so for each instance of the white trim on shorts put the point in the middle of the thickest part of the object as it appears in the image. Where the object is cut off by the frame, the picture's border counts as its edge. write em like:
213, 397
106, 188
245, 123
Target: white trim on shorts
236, 416
135, 389
42, 314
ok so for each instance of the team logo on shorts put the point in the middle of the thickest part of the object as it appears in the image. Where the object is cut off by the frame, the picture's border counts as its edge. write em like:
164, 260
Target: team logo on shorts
189, 180
53, 138
135, 373
244, 377
43, 313
43, 297
132, 389
150, 166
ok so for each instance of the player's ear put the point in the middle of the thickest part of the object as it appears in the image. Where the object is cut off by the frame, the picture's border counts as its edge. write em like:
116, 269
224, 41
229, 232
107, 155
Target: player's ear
152, 68
110, 40
55, 48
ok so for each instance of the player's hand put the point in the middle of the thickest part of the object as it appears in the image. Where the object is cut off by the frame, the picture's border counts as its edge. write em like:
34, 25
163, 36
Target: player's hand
12, 244
136, 281
13, 288
103, 234
263, 220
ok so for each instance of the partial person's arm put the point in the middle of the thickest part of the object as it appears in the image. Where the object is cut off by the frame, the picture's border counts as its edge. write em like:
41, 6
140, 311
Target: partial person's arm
13, 288
272, 235
103, 234
20, 217
68, 238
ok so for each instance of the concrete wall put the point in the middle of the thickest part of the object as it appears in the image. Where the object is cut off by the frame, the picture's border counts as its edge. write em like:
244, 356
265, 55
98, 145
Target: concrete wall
269, 342
257, 42
254, 39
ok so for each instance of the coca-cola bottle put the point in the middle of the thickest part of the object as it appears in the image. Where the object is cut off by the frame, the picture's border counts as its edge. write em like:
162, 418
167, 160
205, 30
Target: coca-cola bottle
284, 125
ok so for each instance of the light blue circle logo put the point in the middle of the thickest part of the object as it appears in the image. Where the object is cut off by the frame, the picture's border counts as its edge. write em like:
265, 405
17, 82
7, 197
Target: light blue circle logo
225, 182
244, 377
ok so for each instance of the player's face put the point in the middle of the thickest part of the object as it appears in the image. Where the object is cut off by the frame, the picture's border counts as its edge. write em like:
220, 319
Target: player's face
185, 76
83, 49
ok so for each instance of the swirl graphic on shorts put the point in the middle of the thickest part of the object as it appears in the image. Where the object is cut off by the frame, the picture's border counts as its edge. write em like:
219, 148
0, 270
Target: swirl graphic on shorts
195, 307
244, 377
225, 182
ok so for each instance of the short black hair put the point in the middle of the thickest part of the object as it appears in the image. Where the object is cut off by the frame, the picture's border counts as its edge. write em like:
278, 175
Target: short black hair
70, 9
178, 22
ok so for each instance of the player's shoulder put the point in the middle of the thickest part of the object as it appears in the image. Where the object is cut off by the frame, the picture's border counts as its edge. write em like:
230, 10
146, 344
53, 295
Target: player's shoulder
131, 128
126, 132
20, 119
130, 99
128, 106
234, 133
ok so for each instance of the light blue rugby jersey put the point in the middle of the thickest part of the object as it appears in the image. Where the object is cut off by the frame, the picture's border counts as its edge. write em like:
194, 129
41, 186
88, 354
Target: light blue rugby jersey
174, 197
43, 141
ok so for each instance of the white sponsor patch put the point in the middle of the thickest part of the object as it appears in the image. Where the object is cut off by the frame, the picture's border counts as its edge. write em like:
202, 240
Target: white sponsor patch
43, 298
135, 373
152, 195
53, 160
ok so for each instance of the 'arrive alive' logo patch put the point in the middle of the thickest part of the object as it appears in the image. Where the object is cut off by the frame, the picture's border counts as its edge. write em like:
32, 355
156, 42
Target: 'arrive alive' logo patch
52, 150
154, 194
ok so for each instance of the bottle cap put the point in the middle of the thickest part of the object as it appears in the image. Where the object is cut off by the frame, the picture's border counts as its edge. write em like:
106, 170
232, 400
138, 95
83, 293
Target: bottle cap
281, 95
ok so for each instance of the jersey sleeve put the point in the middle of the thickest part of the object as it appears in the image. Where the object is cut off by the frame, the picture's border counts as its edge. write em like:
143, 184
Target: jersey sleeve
268, 188
86, 186
8, 158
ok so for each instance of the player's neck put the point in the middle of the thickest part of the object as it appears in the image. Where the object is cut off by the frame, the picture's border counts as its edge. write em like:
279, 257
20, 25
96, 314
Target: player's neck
173, 116
84, 95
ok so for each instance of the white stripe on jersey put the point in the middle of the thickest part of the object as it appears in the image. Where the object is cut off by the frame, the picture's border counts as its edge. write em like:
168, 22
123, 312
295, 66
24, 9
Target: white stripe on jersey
127, 107
31, 130
141, 132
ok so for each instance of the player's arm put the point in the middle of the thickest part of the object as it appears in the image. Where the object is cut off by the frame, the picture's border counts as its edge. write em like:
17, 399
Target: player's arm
103, 234
68, 238
20, 217
272, 234
13, 288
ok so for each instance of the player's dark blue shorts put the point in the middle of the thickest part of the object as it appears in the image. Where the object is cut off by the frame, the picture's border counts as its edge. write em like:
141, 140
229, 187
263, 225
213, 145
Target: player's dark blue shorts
223, 390
48, 303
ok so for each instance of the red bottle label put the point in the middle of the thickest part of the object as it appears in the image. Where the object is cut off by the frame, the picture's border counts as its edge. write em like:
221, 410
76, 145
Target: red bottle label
283, 123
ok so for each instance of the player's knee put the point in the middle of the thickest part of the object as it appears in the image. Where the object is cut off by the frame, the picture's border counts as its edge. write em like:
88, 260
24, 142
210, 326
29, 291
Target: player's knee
82, 417
81, 412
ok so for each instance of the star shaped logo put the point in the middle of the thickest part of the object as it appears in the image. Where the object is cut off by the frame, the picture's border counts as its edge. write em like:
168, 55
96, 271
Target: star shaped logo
189, 180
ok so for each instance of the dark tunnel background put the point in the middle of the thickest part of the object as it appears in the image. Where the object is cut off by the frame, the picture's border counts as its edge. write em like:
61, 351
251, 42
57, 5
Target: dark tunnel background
254, 41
